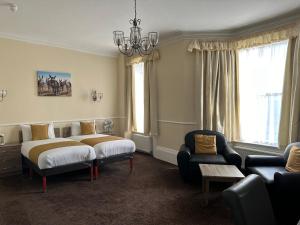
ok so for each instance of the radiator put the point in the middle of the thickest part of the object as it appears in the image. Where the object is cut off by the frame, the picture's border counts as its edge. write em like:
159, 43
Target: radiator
143, 143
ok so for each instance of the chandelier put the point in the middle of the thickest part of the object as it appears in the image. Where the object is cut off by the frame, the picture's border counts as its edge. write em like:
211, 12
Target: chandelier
135, 44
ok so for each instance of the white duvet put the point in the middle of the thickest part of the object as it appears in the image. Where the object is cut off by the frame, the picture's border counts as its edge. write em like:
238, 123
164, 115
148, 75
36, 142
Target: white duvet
109, 148
59, 156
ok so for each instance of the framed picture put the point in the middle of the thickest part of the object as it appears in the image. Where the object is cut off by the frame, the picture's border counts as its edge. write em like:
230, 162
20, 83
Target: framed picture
54, 84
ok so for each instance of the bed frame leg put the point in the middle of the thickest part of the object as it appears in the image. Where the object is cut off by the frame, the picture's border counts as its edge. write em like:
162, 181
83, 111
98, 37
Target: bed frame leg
44, 184
92, 173
131, 164
96, 171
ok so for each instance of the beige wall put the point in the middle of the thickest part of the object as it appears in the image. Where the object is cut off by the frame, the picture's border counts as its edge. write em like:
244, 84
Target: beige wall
176, 94
19, 63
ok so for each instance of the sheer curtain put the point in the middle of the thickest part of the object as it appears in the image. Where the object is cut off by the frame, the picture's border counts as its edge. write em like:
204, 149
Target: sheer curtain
261, 73
138, 97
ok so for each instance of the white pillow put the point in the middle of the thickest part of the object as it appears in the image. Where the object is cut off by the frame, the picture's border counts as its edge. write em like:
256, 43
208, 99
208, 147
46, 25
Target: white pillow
76, 129
27, 135
26, 132
51, 132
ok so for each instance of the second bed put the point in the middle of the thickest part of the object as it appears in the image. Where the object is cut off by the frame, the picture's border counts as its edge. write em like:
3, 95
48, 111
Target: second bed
108, 148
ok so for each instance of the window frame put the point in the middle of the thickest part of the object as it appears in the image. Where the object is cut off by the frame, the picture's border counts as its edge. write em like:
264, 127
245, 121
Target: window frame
256, 146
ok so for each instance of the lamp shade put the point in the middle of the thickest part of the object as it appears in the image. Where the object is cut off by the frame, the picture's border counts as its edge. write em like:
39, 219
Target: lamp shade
145, 44
118, 37
153, 37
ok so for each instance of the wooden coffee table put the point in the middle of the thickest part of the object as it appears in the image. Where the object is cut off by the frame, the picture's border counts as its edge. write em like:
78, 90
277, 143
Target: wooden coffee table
219, 173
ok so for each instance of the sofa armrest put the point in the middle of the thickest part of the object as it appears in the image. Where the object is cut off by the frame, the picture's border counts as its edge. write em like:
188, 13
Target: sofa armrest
287, 181
232, 157
264, 160
183, 160
287, 198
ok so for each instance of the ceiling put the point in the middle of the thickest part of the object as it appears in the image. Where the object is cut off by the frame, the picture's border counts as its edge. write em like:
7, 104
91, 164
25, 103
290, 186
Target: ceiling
87, 25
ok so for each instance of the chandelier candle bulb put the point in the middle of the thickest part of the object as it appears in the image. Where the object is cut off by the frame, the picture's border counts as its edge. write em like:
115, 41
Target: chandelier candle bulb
135, 44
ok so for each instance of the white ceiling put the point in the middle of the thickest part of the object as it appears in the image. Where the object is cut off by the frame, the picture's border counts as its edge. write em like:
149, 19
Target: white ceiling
87, 25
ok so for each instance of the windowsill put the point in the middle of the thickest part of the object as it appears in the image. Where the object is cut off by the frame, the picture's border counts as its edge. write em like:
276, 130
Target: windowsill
268, 149
138, 133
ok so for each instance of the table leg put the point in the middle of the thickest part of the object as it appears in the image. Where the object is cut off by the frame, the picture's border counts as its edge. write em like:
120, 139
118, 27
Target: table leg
205, 185
205, 190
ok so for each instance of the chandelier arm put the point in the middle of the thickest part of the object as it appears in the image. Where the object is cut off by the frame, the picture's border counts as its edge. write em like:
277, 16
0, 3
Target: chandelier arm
126, 53
148, 52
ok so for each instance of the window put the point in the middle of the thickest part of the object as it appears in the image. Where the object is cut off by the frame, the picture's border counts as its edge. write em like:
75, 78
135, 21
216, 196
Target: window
138, 97
261, 71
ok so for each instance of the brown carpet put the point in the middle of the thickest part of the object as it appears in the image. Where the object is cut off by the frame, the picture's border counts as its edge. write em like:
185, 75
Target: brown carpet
152, 194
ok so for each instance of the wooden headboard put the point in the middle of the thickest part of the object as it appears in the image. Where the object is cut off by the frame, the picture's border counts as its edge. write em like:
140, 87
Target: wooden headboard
56, 132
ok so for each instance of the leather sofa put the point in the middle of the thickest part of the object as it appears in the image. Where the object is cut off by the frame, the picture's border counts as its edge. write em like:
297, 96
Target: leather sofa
188, 161
249, 202
283, 186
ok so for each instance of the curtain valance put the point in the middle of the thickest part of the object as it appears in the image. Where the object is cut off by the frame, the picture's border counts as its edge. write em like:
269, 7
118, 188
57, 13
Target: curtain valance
246, 42
138, 59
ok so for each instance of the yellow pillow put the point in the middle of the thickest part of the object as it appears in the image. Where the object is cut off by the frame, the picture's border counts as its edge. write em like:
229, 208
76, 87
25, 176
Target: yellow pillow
87, 128
39, 131
205, 144
293, 163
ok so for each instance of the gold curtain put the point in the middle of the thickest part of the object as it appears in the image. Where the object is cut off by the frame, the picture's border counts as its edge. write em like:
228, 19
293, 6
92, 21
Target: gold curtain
129, 101
289, 128
150, 93
216, 89
246, 42
150, 98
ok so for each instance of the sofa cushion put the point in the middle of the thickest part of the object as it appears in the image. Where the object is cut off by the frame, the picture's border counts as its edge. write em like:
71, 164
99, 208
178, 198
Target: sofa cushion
205, 144
293, 163
208, 159
190, 140
267, 172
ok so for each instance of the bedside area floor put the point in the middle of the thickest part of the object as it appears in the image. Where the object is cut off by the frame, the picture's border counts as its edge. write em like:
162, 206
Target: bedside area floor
152, 194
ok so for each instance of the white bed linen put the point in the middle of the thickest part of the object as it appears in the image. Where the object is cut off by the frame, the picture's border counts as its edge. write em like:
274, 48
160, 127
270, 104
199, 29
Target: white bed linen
109, 148
59, 156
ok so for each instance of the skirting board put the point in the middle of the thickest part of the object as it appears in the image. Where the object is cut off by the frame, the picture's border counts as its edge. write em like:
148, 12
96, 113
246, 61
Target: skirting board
166, 154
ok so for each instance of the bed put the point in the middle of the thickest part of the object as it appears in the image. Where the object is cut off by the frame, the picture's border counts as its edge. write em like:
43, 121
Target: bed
108, 148
55, 156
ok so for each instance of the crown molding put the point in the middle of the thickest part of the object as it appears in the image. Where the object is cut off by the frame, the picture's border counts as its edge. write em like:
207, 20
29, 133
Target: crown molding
287, 19
291, 18
58, 45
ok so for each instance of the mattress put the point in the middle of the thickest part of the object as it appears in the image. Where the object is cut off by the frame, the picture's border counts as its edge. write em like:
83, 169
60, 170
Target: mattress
59, 156
109, 148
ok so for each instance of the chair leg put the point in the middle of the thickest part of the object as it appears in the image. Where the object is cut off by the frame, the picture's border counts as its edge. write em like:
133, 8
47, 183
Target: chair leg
131, 164
44, 184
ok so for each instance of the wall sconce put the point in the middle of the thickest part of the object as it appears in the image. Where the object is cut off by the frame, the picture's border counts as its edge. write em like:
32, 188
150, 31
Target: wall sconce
3, 94
96, 96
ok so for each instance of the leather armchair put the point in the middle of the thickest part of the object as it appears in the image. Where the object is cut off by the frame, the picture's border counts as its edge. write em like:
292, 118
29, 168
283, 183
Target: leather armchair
188, 161
249, 202
283, 186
